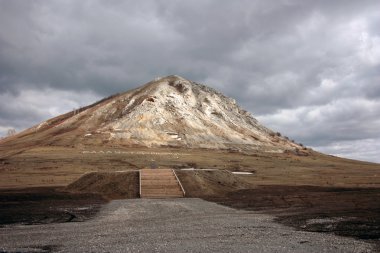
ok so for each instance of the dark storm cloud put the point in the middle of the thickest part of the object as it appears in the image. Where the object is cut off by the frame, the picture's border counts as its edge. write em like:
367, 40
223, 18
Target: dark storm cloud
282, 60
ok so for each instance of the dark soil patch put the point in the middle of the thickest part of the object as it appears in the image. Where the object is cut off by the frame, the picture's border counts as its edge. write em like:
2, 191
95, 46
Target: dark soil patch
46, 205
36, 249
353, 212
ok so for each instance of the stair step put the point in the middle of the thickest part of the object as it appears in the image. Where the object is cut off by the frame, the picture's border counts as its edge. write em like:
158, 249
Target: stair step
159, 183
161, 191
157, 175
170, 178
161, 197
157, 172
143, 195
156, 190
161, 186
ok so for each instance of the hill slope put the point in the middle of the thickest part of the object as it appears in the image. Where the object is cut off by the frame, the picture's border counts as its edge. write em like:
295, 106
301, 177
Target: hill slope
169, 111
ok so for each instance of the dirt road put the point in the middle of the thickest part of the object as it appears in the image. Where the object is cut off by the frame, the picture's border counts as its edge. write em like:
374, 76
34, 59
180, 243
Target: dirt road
176, 225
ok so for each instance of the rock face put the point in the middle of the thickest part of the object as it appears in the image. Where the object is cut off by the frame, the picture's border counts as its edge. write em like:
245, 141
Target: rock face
169, 111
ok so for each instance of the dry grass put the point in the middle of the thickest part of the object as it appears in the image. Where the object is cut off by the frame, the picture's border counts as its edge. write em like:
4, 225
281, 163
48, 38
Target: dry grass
57, 166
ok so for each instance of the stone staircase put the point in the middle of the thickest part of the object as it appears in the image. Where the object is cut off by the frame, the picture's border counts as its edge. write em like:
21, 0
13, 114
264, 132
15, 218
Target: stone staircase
160, 183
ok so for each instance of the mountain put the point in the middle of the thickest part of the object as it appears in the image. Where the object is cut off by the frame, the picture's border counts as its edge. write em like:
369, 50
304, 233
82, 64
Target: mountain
169, 111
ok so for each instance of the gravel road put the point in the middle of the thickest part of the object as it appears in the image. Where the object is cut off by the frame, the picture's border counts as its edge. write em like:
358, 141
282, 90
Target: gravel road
172, 225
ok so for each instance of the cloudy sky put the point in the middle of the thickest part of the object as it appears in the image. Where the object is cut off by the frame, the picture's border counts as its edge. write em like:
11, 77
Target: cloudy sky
309, 69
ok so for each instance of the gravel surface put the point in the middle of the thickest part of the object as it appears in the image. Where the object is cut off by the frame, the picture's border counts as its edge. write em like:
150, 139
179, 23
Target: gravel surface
172, 225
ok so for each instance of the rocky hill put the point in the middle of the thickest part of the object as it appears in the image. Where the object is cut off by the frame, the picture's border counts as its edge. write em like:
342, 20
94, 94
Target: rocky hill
169, 111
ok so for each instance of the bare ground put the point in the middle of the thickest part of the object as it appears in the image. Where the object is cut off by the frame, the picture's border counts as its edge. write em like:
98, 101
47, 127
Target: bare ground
173, 225
44, 205
353, 212
310, 193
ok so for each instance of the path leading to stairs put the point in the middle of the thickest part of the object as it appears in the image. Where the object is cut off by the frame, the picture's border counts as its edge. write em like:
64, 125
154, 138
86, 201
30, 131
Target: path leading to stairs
172, 225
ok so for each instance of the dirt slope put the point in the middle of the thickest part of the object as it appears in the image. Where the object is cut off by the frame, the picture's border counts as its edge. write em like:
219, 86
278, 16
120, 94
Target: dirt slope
216, 183
112, 185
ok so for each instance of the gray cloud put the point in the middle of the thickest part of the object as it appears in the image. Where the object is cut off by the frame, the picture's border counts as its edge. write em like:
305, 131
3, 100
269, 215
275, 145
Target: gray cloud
365, 149
30, 106
309, 69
